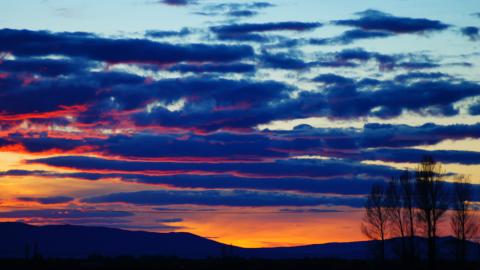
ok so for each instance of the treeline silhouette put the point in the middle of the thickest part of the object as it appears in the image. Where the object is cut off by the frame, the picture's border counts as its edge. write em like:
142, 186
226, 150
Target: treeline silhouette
408, 210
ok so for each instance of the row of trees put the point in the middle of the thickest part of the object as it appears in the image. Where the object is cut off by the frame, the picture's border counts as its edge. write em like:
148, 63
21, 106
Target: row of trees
414, 204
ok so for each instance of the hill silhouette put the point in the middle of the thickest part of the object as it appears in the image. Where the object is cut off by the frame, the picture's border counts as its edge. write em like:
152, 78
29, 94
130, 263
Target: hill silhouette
69, 241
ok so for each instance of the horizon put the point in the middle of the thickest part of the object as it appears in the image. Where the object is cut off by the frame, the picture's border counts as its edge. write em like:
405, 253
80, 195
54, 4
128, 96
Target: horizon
251, 123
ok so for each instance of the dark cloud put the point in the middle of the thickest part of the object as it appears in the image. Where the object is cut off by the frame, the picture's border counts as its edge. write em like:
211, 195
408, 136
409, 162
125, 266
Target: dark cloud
234, 10
345, 186
472, 32
38, 43
170, 220
165, 34
248, 31
47, 200
279, 168
389, 100
375, 135
59, 94
330, 78
178, 2
351, 36
310, 210
411, 76
374, 20
245, 198
209, 103
45, 67
282, 61
63, 213
474, 109
354, 57
75, 221
356, 34
415, 155
262, 146
214, 68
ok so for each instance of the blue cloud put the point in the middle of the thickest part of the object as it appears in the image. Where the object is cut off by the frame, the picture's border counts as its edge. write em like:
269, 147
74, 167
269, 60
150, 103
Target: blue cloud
214, 68
178, 2
234, 10
282, 61
374, 20
245, 198
164, 34
47, 200
285, 168
472, 32
46, 67
39, 43
63, 213
248, 31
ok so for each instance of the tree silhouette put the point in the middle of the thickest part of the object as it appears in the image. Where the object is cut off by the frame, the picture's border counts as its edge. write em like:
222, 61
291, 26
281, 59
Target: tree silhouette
463, 222
375, 219
432, 201
395, 214
408, 200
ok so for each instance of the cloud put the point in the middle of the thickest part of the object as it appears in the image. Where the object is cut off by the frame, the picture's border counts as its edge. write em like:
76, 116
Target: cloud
415, 155
178, 2
328, 183
203, 101
165, 34
351, 36
333, 79
170, 220
354, 57
474, 109
411, 76
234, 10
310, 210
38, 43
63, 213
247, 31
258, 146
47, 200
279, 168
243, 198
376, 135
46, 67
214, 68
389, 100
374, 20
472, 32
282, 61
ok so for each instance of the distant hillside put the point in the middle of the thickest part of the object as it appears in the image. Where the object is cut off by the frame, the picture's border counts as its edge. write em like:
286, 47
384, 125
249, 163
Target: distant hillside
82, 241
67, 241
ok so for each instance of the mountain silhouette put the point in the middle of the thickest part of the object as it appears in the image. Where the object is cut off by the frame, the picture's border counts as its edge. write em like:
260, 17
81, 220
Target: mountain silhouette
69, 241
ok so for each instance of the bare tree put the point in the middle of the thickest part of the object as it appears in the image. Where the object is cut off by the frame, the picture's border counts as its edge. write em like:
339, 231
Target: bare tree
408, 201
375, 219
432, 201
395, 214
463, 222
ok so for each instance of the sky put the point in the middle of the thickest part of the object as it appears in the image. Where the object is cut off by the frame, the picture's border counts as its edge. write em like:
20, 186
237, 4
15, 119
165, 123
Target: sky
252, 123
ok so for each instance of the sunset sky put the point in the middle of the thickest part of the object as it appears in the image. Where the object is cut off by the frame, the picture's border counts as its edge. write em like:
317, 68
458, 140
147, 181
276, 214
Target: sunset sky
251, 123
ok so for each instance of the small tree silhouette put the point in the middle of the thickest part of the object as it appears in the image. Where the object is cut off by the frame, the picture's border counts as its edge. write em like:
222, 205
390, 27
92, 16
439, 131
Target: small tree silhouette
432, 201
375, 219
463, 222
396, 214
408, 201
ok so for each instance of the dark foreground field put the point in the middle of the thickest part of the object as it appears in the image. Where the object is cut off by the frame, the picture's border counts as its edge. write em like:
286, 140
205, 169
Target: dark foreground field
212, 264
